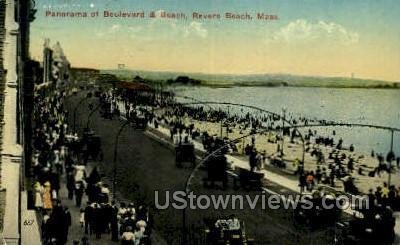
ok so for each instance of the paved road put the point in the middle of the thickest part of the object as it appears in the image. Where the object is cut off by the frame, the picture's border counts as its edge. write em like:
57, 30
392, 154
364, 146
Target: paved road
144, 165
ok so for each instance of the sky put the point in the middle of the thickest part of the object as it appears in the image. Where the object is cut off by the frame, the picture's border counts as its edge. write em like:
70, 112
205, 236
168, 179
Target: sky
310, 37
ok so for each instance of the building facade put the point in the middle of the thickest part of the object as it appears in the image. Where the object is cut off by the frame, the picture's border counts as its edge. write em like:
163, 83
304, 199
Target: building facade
56, 67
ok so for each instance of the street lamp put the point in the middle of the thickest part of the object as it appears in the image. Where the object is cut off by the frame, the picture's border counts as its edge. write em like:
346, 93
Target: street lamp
283, 129
91, 113
116, 156
88, 96
391, 156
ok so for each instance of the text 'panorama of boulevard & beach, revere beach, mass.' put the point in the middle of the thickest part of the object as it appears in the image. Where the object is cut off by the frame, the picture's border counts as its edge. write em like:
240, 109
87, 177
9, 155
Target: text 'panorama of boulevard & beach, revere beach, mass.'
163, 15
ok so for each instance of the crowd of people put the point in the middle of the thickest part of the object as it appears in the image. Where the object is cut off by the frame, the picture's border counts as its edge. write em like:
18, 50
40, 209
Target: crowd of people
334, 161
49, 160
60, 157
386, 196
123, 222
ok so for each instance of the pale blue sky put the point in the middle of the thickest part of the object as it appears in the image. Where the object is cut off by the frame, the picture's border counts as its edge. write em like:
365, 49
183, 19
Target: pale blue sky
324, 37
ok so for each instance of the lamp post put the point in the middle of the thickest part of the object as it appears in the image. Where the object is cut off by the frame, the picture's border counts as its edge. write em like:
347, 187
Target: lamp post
283, 129
390, 158
227, 124
89, 95
91, 113
116, 156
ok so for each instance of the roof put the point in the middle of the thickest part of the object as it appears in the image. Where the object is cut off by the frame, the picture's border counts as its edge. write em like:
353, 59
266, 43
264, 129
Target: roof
134, 86
84, 69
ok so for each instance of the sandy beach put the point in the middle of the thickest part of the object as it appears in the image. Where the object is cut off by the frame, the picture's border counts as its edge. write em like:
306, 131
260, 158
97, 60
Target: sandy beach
293, 151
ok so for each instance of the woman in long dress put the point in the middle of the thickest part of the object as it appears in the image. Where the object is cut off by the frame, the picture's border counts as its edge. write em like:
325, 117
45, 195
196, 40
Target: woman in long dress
39, 191
47, 202
80, 173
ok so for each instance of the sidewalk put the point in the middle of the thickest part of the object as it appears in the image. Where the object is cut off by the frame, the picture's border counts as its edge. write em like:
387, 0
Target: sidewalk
236, 162
75, 230
10, 182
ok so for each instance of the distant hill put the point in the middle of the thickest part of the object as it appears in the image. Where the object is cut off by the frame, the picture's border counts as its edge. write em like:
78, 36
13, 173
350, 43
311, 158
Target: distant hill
271, 80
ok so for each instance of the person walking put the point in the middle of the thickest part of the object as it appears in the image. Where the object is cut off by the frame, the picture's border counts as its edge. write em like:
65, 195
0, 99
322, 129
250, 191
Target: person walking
128, 237
114, 222
47, 202
89, 214
310, 181
58, 221
253, 160
70, 185
302, 182
39, 191
79, 190
65, 223
385, 194
97, 221
296, 166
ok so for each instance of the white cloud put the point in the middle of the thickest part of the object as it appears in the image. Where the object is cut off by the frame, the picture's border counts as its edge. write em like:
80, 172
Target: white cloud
100, 34
165, 29
301, 29
115, 27
112, 29
135, 29
196, 28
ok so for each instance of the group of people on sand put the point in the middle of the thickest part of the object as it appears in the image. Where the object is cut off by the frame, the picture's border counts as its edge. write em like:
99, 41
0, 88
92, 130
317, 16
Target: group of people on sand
334, 162
386, 195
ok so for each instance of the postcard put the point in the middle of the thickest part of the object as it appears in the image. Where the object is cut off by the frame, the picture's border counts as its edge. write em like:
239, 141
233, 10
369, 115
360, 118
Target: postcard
200, 122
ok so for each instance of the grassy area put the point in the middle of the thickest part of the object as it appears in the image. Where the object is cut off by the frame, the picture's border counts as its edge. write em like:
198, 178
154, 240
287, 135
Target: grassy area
265, 80
320, 82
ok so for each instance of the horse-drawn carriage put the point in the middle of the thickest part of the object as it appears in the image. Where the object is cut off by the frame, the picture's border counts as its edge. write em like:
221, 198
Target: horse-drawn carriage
140, 122
213, 143
278, 162
91, 145
368, 226
248, 179
184, 152
106, 111
226, 231
94, 147
315, 210
216, 166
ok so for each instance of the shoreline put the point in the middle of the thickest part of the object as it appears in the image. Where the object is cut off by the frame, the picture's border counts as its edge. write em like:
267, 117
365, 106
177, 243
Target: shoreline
396, 87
